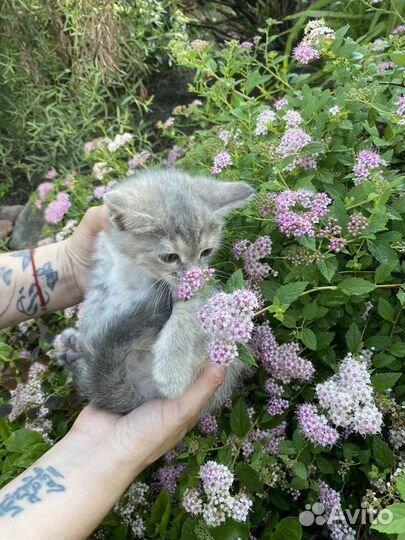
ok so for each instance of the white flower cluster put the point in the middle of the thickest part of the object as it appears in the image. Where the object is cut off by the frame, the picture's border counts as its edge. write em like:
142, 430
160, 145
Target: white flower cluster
217, 481
348, 396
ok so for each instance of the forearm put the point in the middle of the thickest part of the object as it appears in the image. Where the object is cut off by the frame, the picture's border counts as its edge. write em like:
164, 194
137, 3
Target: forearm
88, 481
19, 295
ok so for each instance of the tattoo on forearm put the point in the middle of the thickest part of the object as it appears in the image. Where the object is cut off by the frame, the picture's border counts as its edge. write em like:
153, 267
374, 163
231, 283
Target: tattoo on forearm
25, 256
5, 275
28, 299
42, 481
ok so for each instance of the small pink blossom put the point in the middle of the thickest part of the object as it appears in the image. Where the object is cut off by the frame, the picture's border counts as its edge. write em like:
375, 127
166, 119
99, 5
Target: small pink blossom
51, 174
193, 280
305, 53
222, 159
56, 210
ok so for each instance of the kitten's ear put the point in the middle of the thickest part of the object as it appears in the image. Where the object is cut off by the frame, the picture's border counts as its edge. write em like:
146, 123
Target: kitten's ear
123, 217
223, 197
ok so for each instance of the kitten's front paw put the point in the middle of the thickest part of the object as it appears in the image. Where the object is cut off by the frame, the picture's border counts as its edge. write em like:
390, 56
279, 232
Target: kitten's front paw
67, 347
169, 384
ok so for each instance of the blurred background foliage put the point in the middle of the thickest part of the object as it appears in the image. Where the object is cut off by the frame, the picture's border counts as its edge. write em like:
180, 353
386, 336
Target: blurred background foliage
73, 70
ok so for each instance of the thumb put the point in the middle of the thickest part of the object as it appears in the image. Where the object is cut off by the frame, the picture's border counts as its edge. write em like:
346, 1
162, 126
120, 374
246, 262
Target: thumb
197, 396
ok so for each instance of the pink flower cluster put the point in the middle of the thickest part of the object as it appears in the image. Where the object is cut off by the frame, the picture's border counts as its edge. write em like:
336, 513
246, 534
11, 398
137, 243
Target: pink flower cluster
293, 140
56, 210
214, 501
292, 118
265, 118
167, 476
193, 280
51, 174
296, 212
399, 29
227, 319
315, 426
43, 189
305, 53
100, 191
400, 106
357, 224
208, 424
281, 361
138, 160
222, 159
366, 162
332, 231
252, 254
348, 397
316, 33
280, 104
331, 501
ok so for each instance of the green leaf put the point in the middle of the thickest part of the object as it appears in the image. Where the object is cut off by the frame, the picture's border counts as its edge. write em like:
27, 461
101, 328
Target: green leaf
22, 440
356, 286
300, 470
249, 478
308, 338
230, 531
240, 421
382, 381
398, 57
383, 453
288, 529
397, 349
400, 483
225, 456
287, 294
353, 338
235, 282
246, 356
385, 310
324, 465
160, 515
396, 524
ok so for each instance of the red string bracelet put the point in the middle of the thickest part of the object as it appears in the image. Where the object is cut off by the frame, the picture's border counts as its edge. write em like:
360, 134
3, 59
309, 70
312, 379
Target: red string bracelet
37, 285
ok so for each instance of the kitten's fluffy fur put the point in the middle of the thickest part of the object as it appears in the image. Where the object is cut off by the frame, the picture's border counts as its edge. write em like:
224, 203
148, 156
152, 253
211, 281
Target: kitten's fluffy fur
135, 341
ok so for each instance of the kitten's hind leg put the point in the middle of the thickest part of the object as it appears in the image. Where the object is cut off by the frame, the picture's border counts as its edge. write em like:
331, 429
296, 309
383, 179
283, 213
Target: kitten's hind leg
67, 347
179, 351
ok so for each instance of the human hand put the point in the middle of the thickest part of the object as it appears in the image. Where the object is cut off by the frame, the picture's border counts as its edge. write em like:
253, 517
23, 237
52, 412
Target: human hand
78, 249
142, 436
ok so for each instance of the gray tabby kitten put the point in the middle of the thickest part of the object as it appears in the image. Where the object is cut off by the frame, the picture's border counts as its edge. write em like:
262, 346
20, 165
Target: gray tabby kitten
136, 342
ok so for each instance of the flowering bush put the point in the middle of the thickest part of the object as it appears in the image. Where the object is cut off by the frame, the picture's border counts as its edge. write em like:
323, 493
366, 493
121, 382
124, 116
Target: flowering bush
313, 302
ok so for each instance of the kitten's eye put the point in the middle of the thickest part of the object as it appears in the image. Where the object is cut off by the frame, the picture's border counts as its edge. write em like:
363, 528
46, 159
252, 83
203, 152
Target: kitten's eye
206, 252
169, 257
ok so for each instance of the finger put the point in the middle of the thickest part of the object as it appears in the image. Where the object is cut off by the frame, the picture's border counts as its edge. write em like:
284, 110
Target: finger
197, 396
95, 219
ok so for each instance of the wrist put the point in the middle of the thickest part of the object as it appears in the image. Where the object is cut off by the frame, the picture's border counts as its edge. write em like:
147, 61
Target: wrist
73, 290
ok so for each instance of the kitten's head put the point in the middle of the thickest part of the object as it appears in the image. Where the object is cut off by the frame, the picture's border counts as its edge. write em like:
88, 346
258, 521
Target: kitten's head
169, 222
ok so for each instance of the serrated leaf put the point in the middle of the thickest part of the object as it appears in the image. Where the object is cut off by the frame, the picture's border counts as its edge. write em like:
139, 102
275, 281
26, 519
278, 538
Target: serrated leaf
287, 294
246, 356
328, 268
400, 483
396, 525
300, 470
385, 310
240, 421
288, 529
383, 454
353, 338
235, 282
308, 338
249, 478
160, 514
230, 531
356, 286
383, 381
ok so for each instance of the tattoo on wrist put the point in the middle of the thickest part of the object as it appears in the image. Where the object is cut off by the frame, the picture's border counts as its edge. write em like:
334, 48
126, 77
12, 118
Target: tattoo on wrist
42, 481
25, 256
28, 301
